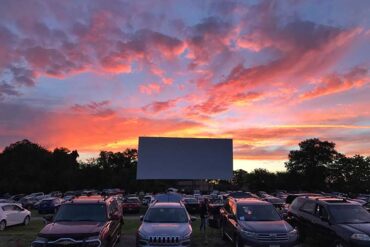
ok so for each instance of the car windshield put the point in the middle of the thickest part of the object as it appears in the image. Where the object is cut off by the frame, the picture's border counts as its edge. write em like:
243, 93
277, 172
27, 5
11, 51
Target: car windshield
349, 214
81, 212
166, 215
257, 213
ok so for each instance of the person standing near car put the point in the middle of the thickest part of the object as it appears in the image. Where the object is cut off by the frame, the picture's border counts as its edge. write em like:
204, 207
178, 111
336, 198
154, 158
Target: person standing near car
203, 211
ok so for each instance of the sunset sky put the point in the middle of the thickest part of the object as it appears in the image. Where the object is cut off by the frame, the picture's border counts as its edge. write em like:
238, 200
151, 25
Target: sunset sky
96, 75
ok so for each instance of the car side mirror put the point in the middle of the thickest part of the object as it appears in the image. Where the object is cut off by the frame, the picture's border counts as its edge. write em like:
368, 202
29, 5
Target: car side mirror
48, 219
231, 216
325, 219
141, 218
114, 217
192, 218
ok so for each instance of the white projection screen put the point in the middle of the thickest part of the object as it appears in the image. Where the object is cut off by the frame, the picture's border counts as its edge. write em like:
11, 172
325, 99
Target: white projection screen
185, 158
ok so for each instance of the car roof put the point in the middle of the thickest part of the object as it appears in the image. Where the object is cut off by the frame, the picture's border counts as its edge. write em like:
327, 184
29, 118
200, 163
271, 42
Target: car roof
166, 205
250, 201
90, 199
332, 200
8, 203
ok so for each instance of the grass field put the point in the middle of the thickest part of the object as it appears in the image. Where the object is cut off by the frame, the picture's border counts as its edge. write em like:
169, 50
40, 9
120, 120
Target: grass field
22, 236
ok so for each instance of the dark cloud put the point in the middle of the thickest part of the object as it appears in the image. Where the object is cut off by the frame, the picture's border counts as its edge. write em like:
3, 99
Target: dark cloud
159, 106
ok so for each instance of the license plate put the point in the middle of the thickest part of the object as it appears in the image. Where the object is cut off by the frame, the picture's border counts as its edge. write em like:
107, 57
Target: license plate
274, 245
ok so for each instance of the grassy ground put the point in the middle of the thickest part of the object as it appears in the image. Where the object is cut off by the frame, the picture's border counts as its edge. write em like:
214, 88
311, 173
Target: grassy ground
22, 236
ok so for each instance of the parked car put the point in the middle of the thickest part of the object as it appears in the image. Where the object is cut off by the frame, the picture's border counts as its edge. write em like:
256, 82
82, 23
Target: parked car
131, 205
367, 206
12, 214
336, 222
85, 221
253, 222
165, 223
35, 202
191, 204
277, 202
17, 197
29, 200
49, 205
147, 200
56, 194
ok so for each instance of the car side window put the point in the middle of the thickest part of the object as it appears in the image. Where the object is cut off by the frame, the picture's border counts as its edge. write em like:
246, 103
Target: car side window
16, 208
321, 212
7, 208
308, 207
113, 208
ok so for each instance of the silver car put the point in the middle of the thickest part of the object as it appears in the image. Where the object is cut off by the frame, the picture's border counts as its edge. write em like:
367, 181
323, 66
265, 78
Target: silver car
165, 224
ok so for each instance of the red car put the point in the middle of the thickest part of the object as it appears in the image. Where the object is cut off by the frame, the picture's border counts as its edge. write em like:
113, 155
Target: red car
131, 205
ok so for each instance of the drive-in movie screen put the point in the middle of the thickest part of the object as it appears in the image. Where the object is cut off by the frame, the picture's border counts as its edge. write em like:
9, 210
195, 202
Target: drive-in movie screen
199, 123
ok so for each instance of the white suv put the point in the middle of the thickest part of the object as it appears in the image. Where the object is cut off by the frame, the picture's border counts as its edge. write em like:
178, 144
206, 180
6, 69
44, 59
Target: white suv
12, 214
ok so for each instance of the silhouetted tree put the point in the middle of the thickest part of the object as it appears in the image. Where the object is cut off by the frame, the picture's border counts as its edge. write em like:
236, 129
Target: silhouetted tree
311, 163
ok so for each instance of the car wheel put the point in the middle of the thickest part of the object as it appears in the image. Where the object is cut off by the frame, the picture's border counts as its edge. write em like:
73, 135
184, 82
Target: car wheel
222, 230
26, 221
301, 234
2, 225
340, 243
237, 241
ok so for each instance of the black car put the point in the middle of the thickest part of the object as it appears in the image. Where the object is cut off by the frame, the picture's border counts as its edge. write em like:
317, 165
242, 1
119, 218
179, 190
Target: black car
253, 222
331, 221
192, 204
367, 206
92, 221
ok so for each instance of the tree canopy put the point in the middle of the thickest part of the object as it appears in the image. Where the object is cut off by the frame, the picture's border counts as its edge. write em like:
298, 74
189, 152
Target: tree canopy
316, 166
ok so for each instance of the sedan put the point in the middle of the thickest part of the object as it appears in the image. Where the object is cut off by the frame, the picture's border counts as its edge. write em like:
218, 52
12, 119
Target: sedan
12, 214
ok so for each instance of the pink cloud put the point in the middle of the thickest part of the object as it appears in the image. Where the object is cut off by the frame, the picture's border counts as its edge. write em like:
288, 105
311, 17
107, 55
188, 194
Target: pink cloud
149, 89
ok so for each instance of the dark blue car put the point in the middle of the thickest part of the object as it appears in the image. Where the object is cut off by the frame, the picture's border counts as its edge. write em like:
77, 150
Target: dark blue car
50, 205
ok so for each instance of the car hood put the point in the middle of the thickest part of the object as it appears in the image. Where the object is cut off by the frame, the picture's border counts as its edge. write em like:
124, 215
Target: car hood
71, 229
280, 226
165, 229
363, 228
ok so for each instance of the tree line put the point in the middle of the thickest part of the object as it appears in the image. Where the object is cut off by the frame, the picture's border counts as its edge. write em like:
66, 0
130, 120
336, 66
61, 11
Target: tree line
316, 166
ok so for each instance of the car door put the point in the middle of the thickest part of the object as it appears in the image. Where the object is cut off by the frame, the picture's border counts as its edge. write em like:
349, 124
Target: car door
322, 225
306, 218
19, 214
114, 227
231, 218
9, 215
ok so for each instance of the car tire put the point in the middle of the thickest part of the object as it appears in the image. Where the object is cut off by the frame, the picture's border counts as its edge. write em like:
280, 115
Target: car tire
340, 243
237, 241
26, 221
2, 225
222, 231
301, 235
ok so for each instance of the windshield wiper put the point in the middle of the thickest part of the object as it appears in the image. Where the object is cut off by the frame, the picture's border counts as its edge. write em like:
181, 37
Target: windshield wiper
63, 220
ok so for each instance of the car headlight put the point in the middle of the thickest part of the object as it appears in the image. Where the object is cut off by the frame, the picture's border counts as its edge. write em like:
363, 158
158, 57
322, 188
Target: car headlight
93, 241
360, 236
141, 235
39, 242
248, 234
40, 239
293, 233
187, 235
